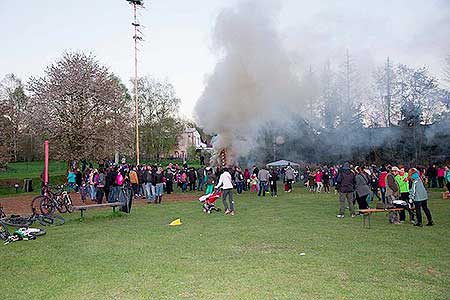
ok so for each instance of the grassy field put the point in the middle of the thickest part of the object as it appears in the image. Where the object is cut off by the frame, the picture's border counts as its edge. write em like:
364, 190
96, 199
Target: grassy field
253, 255
17, 172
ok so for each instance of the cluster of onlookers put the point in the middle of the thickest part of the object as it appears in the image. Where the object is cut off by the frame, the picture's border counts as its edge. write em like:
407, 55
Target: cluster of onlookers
151, 181
393, 186
436, 176
399, 188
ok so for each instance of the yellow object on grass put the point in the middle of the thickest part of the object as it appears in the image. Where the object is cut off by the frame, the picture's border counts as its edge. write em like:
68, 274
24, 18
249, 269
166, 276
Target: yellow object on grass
175, 222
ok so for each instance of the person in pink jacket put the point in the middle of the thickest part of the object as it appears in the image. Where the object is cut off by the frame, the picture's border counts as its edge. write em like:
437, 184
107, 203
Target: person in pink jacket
441, 176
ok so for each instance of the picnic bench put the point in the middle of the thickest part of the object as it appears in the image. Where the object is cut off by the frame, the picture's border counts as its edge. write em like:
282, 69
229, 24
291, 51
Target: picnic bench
83, 208
369, 211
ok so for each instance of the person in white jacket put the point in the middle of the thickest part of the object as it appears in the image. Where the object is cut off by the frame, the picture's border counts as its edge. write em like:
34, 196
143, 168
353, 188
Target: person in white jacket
227, 186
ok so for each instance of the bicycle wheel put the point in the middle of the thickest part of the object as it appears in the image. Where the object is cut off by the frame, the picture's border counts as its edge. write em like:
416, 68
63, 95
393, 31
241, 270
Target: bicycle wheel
37, 231
4, 233
68, 203
17, 221
61, 206
36, 205
47, 206
51, 220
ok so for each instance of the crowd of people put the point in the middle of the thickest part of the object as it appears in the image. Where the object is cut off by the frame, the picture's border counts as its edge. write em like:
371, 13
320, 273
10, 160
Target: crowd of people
394, 187
152, 181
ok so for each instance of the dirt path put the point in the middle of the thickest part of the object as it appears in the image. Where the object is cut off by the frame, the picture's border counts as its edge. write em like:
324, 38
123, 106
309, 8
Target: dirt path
20, 204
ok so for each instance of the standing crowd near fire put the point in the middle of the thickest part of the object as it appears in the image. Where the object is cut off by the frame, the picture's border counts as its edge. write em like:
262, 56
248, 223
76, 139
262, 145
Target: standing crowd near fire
394, 187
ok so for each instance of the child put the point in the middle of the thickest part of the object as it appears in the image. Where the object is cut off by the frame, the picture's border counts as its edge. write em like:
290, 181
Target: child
254, 183
419, 195
311, 183
318, 180
210, 181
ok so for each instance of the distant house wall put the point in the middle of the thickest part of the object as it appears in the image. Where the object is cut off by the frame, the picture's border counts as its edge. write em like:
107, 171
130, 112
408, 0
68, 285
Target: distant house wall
190, 137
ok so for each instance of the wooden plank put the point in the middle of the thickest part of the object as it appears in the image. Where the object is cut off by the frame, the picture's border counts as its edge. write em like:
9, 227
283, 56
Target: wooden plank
84, 207
373, 210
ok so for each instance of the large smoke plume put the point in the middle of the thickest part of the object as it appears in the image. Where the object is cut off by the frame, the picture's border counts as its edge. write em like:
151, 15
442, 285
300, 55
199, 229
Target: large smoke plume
253, 83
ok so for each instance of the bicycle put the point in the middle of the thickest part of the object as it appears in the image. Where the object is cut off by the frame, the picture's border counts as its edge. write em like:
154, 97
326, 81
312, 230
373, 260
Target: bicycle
27, 221
2, 213
59, 200
25, 234
24, 223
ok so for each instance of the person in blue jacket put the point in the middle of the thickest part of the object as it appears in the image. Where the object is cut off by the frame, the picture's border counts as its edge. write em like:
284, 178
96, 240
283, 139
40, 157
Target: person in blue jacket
419, 196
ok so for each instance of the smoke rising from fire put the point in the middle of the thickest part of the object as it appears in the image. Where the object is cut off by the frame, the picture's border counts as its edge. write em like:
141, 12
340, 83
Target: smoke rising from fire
253, 82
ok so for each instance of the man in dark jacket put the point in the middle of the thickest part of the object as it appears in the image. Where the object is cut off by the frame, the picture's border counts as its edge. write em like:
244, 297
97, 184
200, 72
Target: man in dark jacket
432, 176
149, 187
140, 173
110, 184
273, 182
78, 180
192, 175
346, 188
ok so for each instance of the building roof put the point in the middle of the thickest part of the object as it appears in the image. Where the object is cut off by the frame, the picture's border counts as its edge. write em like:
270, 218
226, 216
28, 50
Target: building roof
282, 163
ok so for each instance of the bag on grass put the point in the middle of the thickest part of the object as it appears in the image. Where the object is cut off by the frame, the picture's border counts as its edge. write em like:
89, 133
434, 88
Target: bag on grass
393, 217
125, 198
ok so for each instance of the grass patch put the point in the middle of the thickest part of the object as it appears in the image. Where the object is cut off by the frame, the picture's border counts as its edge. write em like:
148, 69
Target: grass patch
253, 255
19, 171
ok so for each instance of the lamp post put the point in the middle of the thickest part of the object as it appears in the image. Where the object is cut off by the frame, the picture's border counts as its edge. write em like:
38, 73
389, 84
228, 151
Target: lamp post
136, 37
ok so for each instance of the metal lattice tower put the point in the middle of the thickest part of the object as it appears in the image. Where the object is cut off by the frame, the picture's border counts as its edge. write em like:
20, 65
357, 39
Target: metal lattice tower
137, 37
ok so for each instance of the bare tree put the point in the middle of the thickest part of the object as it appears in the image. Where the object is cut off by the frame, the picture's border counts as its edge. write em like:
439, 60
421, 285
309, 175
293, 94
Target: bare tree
384, 103
349, 93
310, 93
329, 105
81, 107
417, 92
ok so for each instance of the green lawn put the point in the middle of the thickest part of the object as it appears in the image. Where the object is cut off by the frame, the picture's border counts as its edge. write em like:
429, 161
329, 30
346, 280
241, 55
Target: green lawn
17, 172
33, 169
253, 255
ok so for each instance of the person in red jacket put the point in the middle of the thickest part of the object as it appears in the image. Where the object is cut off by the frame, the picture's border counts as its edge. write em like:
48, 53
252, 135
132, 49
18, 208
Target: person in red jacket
246, 179
382, 184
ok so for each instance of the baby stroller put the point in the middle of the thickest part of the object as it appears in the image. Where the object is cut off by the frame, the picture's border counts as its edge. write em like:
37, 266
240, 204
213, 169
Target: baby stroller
208, 202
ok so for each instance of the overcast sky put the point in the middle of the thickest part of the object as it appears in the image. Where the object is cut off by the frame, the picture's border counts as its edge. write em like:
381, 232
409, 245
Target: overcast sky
178, 43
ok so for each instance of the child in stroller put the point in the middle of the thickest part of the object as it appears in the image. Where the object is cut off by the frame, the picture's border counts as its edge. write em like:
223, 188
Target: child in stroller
208, 201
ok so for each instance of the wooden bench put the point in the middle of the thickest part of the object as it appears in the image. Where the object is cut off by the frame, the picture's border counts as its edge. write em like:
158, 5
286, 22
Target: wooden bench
83, 208
367, 212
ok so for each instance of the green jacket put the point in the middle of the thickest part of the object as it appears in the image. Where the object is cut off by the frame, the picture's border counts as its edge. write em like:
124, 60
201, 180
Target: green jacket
402, 182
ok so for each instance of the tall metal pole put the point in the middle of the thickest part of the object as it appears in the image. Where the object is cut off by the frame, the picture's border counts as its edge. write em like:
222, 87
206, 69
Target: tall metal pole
136, 85
45, 163
388, 87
